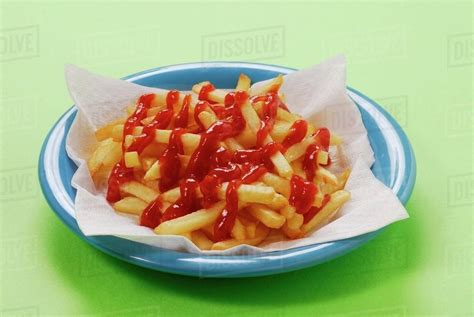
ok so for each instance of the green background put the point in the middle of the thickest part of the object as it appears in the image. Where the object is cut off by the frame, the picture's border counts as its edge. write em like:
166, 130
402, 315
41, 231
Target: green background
414, 57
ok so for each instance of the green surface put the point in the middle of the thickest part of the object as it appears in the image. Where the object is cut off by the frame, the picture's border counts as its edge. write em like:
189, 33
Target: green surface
416, 58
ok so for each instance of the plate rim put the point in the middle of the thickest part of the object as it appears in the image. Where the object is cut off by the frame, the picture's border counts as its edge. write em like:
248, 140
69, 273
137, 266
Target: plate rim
252, 261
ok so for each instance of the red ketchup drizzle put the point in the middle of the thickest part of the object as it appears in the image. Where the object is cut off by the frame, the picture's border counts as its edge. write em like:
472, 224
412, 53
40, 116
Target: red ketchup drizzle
223, 170
143, 104
270, 109
314, 210
186, 203
310, 161
199, 163
302, 194
200, 107
161, 121
322, 138
298, 131
219, 110
172, 98
258, 156
169, 161
226, 220
208, 188
229, 100
119, 175
151, 216
205, 90
181, 120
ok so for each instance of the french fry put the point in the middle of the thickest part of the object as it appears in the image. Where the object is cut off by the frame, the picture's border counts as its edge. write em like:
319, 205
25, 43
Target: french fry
201, 240
249, 224
215, 95
280, 184
260, 234
250, 193
139, 190
153, 184
336, 201
130, 205
190, 140
325, 176
106, 131
292, 233
107, 153
132, 159
297, 167
253, 122
191, 222
147, 162
129, 139
246, 193
243, 84
278, 202
117, 132
288, 212
267, 216
280, 130
297, 150
272, 85
207, 119
247, 138
282, 114
153, 172
295, 222
238, 231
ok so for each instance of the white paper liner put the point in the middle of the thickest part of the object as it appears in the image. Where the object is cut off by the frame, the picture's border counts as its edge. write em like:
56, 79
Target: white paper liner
317, 93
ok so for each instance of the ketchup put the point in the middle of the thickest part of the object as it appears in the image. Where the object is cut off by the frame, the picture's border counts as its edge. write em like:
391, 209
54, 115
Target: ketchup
270, 109
222, 170
120, 174
205, 90
208, 187
151, 216
302, 194
172, 98
181, 120
258, 156
310, 161
210, 165
199, 163
161, 121
226, 220
298, 131
219, 110
185, 204
169, 162
322, 138
200, 107
314, 210
143, 104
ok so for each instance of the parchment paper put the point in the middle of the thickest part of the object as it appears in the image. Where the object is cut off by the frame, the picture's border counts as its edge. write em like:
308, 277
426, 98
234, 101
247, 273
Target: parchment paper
317, 93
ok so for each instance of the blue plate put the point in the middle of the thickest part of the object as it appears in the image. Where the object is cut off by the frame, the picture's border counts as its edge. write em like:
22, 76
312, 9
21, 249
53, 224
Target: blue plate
394, 166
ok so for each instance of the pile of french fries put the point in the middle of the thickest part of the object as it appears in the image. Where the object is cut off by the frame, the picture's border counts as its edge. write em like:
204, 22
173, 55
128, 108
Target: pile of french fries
266, 210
